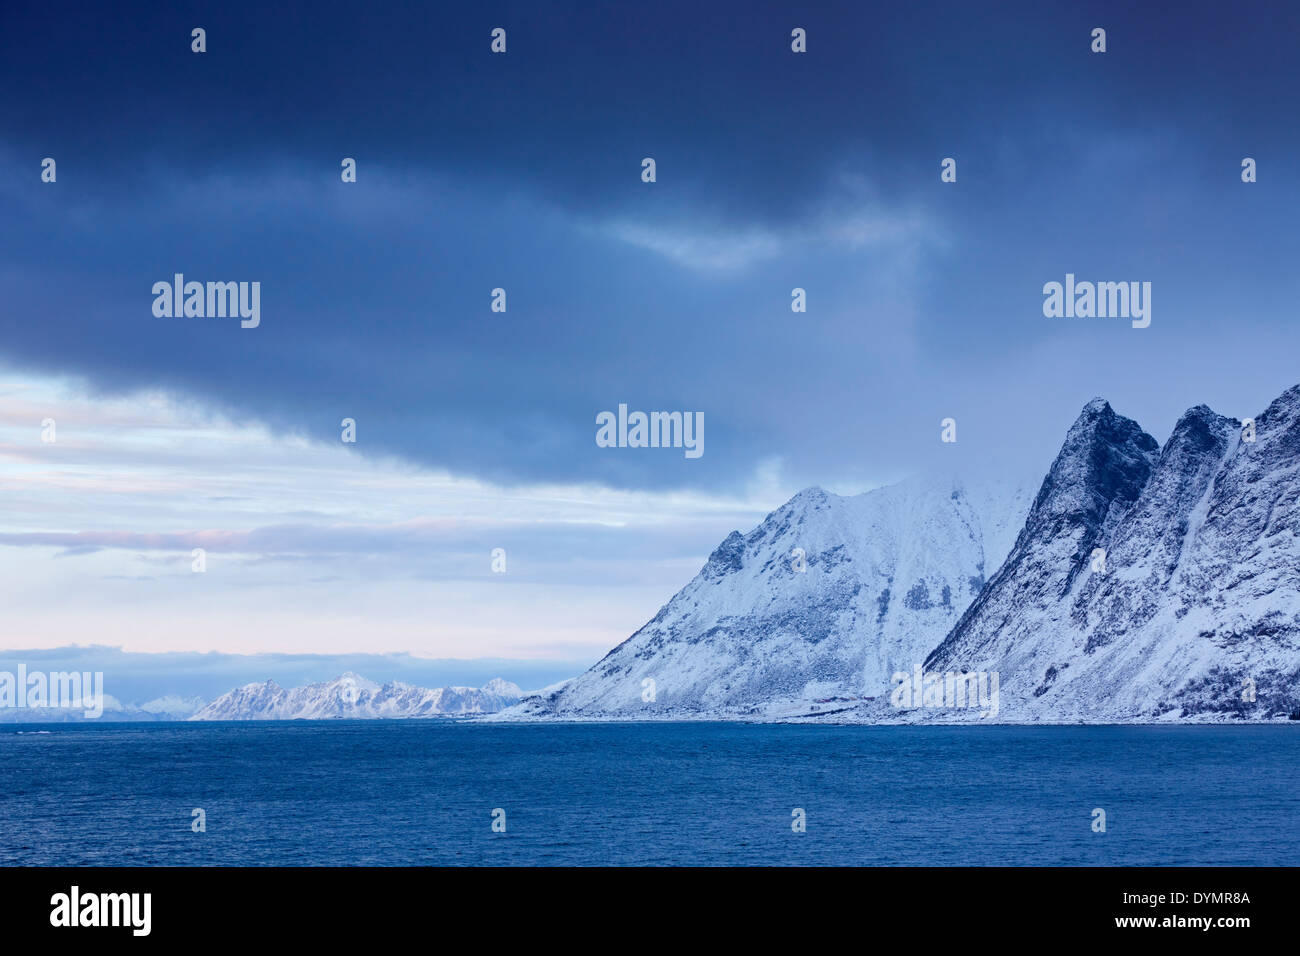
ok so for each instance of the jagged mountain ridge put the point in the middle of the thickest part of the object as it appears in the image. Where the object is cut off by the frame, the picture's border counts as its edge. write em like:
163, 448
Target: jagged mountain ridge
1193, 609
1199, 591
1099, 472
350, 696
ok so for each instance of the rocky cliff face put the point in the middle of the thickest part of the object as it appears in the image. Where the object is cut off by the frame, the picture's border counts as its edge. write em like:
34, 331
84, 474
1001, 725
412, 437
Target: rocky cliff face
1196, 607
1097, 476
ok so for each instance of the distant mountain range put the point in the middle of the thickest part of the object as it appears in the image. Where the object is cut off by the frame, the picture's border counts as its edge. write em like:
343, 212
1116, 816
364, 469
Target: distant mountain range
1144, 584
348, 696
352, 696
170, 707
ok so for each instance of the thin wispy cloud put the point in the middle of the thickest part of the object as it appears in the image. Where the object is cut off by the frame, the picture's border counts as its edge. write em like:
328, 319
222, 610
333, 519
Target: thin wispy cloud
111, 510
697, 244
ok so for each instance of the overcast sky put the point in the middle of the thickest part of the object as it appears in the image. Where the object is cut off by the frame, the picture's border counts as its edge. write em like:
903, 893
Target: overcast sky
476, 429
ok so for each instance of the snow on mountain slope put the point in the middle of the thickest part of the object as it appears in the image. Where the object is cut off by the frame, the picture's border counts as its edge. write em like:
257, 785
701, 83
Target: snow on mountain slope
1098, 474
173, 707
352, 696
885, 575
1200, 589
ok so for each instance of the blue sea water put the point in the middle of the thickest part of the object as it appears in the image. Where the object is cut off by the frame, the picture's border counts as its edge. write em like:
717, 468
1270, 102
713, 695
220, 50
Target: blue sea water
423, 792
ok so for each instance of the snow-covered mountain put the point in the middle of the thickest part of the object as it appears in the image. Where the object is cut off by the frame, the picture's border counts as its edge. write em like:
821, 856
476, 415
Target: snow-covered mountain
1145, 583
1197, 604
173, 707
351, 696
825, 599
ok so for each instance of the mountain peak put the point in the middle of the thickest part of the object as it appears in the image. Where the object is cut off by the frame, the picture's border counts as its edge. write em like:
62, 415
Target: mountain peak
811, 493
503, 688
1200, 426
812, 498
1105, 460
1099, 473
726, 557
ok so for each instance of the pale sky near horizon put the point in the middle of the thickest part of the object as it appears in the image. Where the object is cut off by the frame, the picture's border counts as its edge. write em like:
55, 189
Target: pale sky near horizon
316, 548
